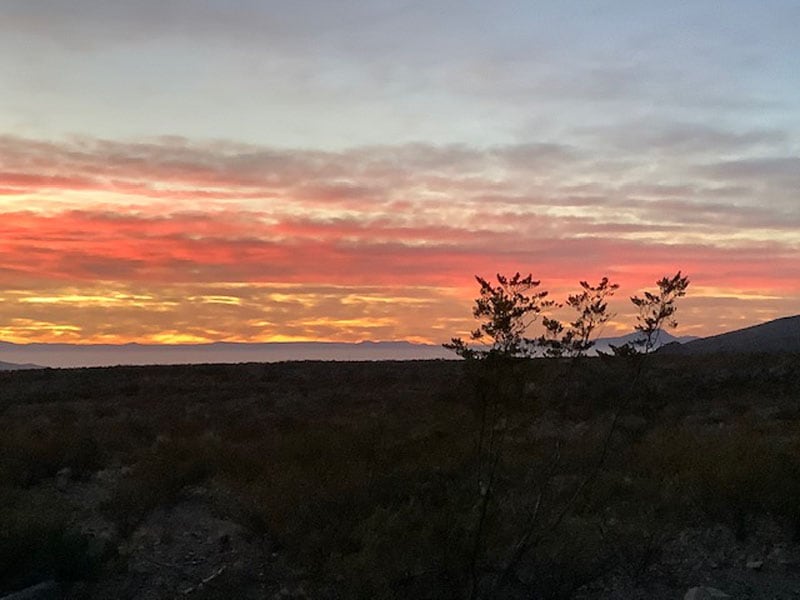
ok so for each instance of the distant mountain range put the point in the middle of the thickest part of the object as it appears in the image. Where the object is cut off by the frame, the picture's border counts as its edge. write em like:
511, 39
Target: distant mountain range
102, 355
6, 366
781, 335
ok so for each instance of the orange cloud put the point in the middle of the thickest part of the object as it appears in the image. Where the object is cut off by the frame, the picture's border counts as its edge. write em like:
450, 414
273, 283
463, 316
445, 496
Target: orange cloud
169, 240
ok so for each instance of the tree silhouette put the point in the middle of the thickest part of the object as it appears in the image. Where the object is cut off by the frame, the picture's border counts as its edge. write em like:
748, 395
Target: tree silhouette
656, 311
575, 339
505, 310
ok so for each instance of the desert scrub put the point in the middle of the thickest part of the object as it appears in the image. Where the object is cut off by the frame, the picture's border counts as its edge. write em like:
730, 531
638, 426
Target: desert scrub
37, 542
160, 477
743, 474
30, 453
372, 491
361, 507
730, 475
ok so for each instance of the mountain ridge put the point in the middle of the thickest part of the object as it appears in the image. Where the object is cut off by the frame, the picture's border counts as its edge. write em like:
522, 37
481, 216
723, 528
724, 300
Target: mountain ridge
61, 355
7, 366
662, 339
780, 335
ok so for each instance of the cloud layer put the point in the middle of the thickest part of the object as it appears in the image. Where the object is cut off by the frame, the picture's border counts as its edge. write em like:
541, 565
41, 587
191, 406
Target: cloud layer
173, 170
174, 240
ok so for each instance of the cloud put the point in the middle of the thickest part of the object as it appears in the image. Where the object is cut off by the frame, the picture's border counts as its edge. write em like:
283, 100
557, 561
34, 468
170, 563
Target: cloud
654, 136
320, 74
250, 313
230, 247
180, 221
781, 169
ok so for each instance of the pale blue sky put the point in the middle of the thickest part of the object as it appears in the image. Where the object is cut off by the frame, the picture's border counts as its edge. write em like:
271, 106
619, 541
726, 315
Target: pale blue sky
340, 74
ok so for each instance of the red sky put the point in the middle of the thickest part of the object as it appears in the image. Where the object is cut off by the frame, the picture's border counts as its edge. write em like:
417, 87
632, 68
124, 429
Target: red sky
172, 241
257, 170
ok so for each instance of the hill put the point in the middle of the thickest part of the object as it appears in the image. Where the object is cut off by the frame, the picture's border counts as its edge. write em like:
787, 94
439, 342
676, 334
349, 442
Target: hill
778, 336
664, 338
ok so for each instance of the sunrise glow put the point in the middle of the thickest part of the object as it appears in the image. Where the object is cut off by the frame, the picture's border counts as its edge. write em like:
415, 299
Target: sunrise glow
240, 184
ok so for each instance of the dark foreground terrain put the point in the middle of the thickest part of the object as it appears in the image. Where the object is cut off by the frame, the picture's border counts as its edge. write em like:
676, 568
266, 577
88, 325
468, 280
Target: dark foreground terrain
364, 480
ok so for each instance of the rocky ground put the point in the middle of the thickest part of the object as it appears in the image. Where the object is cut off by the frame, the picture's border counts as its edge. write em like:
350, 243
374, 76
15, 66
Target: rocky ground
191, 551
187, 550
765, 566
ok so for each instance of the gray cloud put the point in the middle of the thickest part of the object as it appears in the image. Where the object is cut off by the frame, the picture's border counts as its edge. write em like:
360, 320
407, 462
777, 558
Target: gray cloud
682, 138
777, 168
532, 178
438, 72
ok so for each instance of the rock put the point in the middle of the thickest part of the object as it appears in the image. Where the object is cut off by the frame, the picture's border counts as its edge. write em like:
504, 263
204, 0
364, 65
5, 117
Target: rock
704, 593
47, 590
755, 564
224, 542
63, 478
103, 544
299, 593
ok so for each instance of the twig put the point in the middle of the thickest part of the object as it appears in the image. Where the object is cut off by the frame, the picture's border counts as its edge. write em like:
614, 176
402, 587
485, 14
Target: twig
166, 565
205, 581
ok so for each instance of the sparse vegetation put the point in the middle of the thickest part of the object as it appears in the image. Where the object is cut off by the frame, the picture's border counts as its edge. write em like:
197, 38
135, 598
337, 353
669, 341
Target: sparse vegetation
37, 541
358, 480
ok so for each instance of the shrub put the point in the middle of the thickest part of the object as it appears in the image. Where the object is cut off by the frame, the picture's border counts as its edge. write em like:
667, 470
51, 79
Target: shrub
160, 477
37, 543
731, 476
30, 454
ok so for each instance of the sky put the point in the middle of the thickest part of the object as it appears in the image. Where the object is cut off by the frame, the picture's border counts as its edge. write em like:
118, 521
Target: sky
180, 171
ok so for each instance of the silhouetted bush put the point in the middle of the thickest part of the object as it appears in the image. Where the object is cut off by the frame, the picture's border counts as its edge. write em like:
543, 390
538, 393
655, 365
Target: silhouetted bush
38, 544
